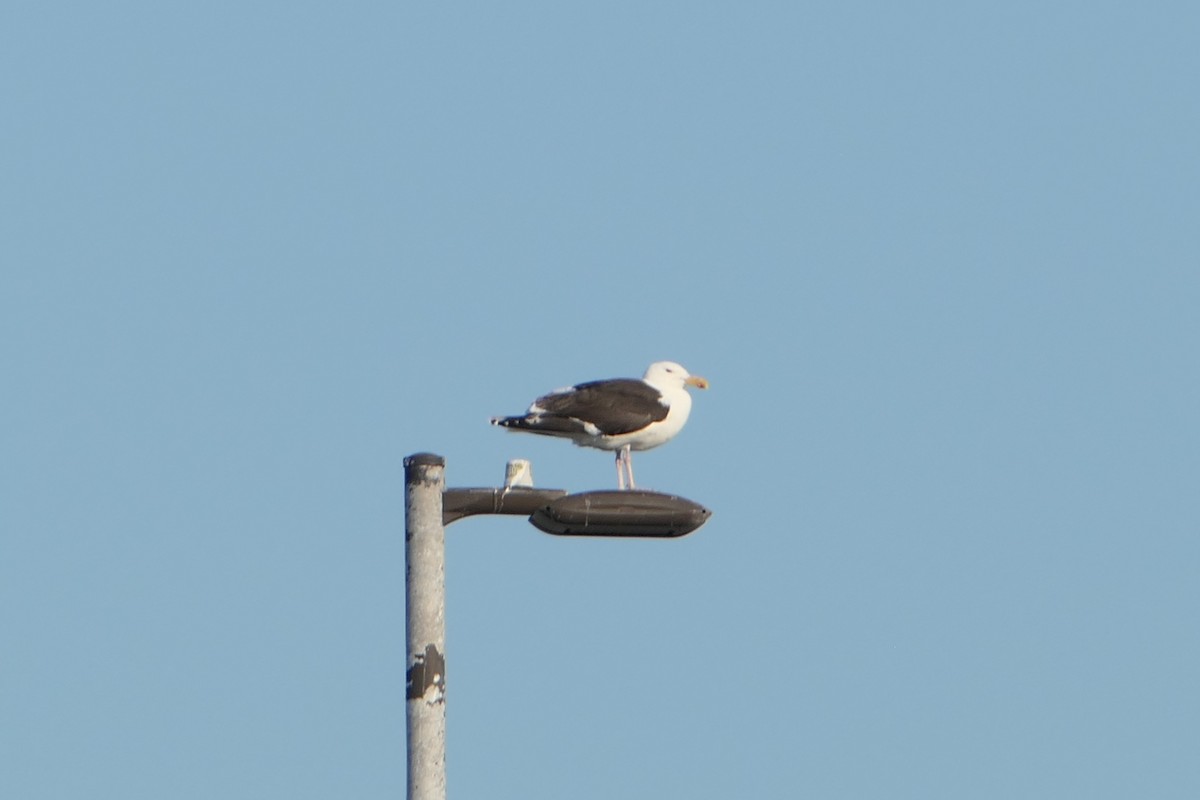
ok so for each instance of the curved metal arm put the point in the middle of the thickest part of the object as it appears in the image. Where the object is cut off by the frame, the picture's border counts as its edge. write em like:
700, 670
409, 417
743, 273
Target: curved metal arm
459, 503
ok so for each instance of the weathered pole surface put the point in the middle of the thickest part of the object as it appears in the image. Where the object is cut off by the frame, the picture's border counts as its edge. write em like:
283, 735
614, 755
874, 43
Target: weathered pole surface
425, 589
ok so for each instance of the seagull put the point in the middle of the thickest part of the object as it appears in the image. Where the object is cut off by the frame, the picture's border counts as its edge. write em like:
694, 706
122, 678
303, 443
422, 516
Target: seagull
620, 414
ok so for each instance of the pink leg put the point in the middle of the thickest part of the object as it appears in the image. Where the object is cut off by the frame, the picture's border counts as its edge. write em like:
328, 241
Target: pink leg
620, 471
627, 457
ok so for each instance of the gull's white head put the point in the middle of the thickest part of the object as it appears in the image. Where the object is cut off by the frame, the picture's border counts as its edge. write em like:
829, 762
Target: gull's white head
667, 373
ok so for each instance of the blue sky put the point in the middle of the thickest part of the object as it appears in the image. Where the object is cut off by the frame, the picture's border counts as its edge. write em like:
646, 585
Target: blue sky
939, 261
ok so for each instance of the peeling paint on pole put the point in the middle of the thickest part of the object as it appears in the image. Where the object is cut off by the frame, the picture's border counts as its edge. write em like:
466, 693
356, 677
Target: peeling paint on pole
427, 677
425, 592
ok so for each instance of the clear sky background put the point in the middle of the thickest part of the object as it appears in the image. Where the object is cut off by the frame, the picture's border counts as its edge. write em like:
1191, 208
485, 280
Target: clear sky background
939, 261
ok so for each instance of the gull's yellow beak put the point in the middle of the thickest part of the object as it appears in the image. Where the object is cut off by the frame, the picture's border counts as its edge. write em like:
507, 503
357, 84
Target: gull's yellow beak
697, 381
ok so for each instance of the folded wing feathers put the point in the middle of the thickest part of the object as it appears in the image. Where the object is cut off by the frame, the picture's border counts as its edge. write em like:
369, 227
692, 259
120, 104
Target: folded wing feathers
609, 407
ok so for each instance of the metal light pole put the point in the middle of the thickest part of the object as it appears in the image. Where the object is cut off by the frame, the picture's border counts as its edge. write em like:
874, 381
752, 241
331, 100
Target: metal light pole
425, 624
428, 508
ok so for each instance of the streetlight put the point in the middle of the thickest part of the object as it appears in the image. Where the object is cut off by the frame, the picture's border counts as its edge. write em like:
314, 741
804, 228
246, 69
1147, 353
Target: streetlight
428, 508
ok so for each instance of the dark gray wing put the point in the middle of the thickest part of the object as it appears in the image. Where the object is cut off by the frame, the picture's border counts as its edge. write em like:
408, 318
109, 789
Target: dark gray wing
617, 406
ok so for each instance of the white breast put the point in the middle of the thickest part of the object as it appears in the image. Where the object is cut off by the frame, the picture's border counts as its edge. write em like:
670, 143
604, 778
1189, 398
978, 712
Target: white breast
662, 432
